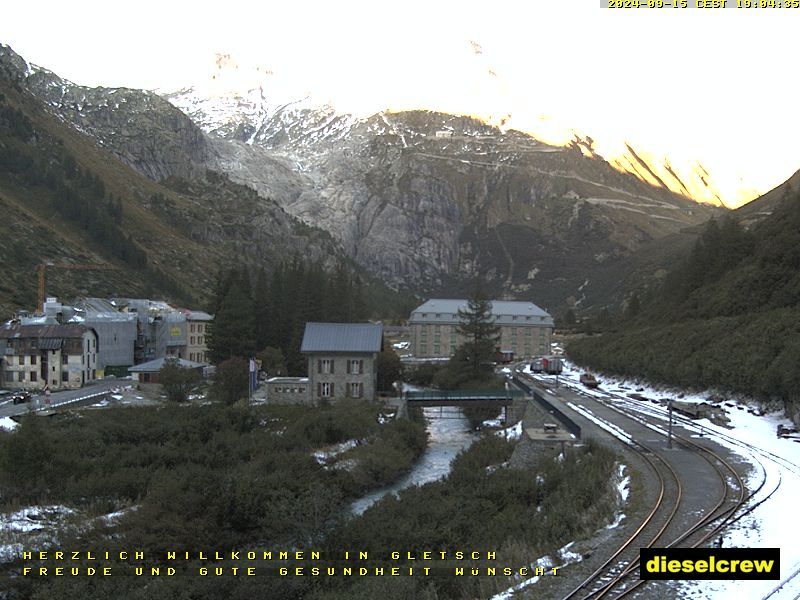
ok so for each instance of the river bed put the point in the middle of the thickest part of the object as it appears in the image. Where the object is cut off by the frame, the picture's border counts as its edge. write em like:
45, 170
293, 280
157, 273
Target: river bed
446, 438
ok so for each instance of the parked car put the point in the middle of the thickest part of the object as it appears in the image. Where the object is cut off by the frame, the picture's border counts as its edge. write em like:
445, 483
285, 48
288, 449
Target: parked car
21, 397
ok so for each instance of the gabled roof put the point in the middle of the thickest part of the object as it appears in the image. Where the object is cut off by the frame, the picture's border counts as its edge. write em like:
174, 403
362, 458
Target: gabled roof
342, 337
43, 331
158, 364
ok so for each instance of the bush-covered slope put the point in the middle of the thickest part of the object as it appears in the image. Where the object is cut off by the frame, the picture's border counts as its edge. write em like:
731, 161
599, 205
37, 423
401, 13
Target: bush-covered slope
727, 316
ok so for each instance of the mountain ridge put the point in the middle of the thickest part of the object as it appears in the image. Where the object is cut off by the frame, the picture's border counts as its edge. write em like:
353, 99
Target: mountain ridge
420, 199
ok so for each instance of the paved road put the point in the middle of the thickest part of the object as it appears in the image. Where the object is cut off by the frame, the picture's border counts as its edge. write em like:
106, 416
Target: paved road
8, 408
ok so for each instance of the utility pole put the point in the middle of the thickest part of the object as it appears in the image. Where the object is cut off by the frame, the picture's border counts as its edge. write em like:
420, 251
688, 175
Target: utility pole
669, 437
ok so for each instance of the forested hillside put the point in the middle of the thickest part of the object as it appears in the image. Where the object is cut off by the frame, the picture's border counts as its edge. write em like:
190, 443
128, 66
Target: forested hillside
728, 316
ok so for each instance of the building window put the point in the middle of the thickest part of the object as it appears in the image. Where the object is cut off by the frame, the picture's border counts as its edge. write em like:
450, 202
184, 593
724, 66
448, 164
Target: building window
436, 348
191, 340
64, 376
191, 328
325, 390
33, 359
355, 366
325, 365
423, 348
64, 358
356, 390
33, 375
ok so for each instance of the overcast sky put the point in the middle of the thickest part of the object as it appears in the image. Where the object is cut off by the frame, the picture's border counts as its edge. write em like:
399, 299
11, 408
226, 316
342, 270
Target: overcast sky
718, 87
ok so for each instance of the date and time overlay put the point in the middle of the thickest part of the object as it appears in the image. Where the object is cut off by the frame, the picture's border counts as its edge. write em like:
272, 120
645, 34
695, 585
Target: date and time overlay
703, 4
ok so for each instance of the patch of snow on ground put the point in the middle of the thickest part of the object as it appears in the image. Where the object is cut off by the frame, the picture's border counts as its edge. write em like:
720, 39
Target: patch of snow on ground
8, 424
112, 518
564, 554
623, 487
385, 418
325, 456
32, 517
512, 433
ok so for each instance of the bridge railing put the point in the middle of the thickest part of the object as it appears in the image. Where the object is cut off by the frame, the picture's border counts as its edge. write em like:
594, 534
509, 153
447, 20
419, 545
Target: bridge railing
557, 413
433, 395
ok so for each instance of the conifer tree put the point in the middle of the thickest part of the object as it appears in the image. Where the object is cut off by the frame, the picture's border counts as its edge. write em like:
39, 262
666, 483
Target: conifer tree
232, 332
480, 333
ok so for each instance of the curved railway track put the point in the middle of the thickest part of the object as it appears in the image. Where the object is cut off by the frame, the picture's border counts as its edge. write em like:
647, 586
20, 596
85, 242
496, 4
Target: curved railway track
658, 527
761, 493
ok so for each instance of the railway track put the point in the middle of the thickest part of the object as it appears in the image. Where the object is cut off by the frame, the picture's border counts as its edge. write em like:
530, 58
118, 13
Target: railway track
614, 578
764, 488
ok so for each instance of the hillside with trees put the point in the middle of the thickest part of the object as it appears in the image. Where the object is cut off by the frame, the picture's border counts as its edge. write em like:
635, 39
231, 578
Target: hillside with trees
726, 317
67, 199
266, 315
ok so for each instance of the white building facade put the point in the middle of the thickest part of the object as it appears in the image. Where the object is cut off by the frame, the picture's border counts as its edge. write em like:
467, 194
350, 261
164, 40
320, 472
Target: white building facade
525, 329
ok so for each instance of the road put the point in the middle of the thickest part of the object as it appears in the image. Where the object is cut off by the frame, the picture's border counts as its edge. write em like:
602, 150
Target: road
59, 399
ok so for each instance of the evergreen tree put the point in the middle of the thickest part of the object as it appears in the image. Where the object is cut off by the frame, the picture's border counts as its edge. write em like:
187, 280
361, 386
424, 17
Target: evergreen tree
480, 333
390, 369
232, 332
261, 310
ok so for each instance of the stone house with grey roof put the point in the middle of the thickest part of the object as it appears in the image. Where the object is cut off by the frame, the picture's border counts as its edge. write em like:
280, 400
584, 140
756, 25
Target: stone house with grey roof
57, 356
341, 359
525, 329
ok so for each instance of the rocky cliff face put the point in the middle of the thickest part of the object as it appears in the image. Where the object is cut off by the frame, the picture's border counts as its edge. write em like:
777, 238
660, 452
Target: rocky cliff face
142, 129
429, 200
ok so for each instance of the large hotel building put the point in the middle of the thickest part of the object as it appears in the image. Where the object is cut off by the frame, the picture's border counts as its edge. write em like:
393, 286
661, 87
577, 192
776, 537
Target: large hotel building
525, 329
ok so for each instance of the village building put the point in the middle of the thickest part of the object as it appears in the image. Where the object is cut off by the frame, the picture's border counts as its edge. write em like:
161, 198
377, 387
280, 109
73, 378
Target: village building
161, 329
197, 325
56, 356
148, 372
288, 390
116, 333
341, 359
525, 329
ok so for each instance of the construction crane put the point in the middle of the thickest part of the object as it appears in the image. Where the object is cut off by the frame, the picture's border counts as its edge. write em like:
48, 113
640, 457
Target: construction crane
41, 269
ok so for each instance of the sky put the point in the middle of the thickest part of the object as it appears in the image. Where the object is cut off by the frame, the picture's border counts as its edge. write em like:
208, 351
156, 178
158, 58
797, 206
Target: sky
714, 87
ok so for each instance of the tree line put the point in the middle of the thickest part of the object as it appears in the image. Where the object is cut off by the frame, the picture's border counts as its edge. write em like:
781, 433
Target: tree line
260, 313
